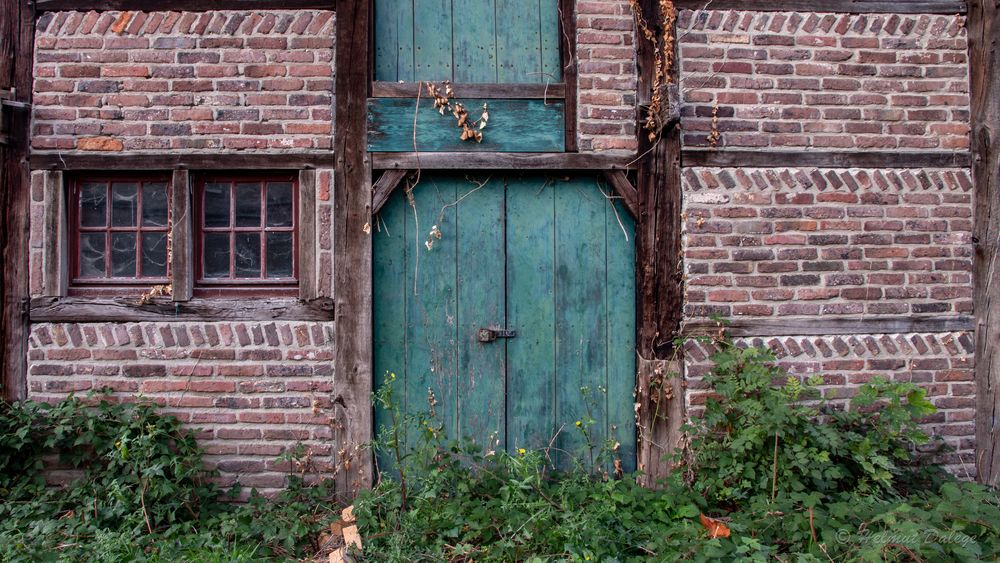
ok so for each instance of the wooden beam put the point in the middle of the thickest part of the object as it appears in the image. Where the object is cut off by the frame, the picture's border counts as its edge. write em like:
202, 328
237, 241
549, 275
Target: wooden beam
823, 326
17, 39
839, 6
826, 159
180, 5
659, 295
567, 26
624, 188
386, 184
91, 310
167, 161
352, 250
181, 235
610, 160
308, 280
984, 63
54, 248
467, 91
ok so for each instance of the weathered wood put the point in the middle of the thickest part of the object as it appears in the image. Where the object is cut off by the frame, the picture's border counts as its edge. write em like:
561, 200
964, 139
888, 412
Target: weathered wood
827, 159
844, 6
182, 244
514, 126
352, 253
624, 188
658, 253
17, 32
567, 25
984, 61
180, 5
823, 326
173, 161
611, 160
89, 309
54, 249
660, 414
384, 187
308, 281
463, 91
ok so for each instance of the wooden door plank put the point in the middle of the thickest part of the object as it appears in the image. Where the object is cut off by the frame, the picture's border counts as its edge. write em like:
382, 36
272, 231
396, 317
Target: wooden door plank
431, 320
406, 62
480, 384
581, 347
531, 397
432, 40
390, 250
518, 41
386, 39
620, 284
549, 33
475, 49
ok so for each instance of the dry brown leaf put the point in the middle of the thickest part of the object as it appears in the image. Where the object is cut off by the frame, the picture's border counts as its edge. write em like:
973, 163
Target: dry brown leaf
716, 529
347, 515
352, 537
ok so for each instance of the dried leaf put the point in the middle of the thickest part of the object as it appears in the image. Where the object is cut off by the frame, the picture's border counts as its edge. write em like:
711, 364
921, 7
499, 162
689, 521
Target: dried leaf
716, 529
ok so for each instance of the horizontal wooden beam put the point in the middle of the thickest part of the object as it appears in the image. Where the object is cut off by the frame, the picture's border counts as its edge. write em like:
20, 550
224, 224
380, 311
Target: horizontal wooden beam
79, 309
466, 91
838, 6
616, 160
826, 159
822, 326
179, 5
175, 161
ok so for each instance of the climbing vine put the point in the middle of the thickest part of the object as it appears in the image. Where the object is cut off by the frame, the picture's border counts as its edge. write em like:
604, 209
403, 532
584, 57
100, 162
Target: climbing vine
444, 101
661, 37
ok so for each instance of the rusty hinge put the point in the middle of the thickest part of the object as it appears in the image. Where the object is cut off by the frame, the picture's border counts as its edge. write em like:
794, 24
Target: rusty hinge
7, 101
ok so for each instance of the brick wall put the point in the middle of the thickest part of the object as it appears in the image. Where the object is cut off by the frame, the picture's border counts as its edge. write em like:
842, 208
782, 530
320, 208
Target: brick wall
254, 388
183, 81
939, 362
607, 75
775, 242
824, 81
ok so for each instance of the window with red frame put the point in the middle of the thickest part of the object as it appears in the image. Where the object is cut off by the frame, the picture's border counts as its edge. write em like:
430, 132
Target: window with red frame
245, 231
119, 229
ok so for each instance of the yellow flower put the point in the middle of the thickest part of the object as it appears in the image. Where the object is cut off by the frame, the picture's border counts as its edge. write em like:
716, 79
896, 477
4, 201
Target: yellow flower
522, 451
579, 424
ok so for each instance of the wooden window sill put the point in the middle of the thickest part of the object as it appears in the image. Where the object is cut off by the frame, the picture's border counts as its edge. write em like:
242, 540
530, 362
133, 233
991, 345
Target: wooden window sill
163, 309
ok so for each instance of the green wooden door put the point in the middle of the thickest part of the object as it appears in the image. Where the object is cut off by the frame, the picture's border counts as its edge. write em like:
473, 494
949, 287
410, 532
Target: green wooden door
551, 258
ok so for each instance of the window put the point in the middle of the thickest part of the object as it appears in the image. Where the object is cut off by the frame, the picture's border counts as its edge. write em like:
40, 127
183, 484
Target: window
246, 231
120, 230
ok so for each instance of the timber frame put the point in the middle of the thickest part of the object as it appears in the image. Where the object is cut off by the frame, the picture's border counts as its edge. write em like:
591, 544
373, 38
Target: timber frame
654, 198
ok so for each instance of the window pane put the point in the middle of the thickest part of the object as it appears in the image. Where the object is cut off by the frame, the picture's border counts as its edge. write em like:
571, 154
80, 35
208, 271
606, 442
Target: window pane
93, 205
216, 205
154, 205
279, 204
247, 258
279, 255
248, 205
124, 204
91, 255
123, 255
216, 250
154, 254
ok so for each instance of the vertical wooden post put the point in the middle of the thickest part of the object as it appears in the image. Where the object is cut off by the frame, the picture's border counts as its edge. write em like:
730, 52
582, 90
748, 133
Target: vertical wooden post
307, 235
660, 390
567, 24
984, 57
17, 33
182, 247
352, 246
55, 252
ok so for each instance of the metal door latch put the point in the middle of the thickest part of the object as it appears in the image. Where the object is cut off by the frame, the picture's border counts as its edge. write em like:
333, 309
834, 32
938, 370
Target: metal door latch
491, 334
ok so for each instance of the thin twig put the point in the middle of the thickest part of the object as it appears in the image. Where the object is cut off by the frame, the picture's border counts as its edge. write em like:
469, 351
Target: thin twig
774, 470
611, 202
142, 501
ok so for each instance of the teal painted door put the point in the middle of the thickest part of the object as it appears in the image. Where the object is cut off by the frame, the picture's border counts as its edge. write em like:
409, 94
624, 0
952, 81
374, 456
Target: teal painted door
550, 258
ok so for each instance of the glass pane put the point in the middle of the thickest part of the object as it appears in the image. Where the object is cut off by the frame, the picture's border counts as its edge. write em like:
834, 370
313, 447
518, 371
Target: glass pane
279, 204
123, 255
124, 204
216, 251
279, 255
248, 205
247, 258
94, 205
92, 255
154, 205
154, 254
217, 205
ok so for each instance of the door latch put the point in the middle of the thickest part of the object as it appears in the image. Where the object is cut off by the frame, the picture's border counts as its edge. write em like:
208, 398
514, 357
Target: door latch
490, 334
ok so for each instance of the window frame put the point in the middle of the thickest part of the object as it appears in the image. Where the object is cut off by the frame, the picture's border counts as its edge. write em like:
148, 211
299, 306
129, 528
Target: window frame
229, 287
77, 285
